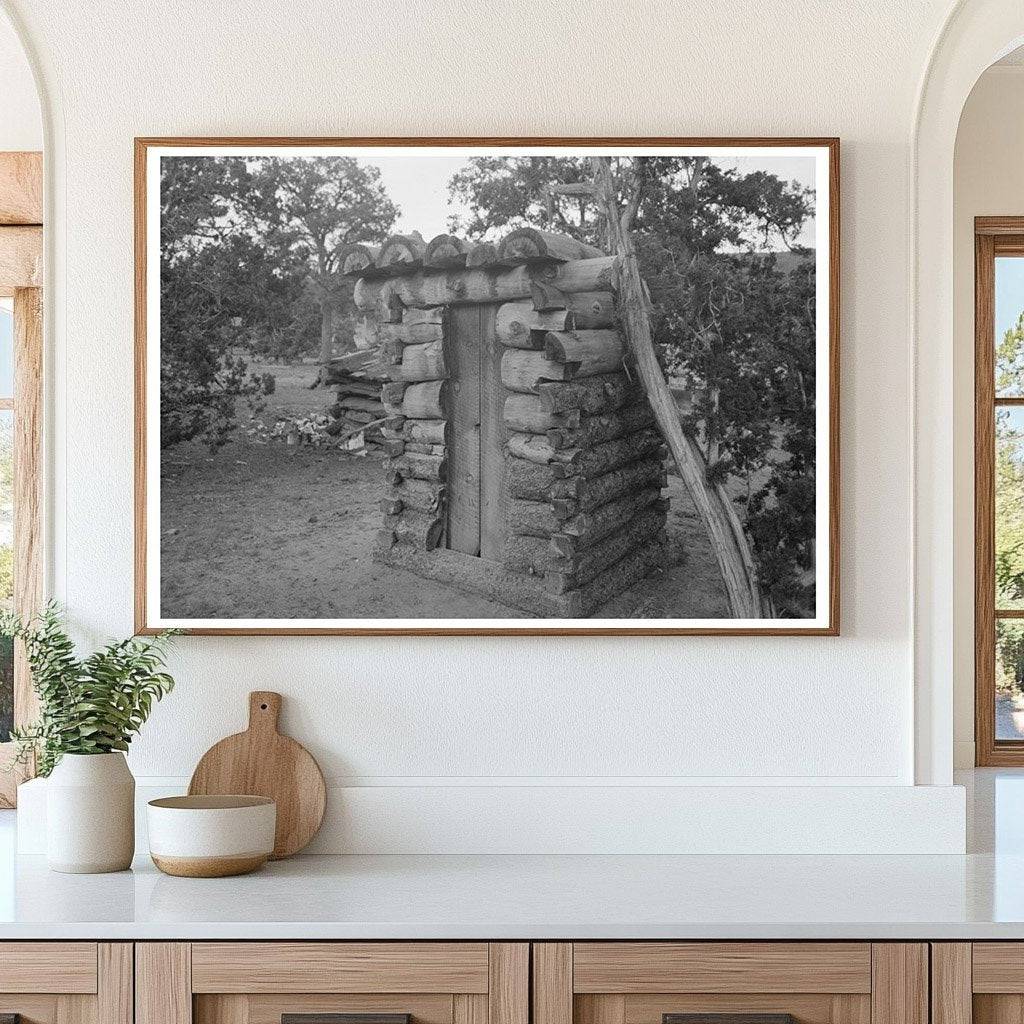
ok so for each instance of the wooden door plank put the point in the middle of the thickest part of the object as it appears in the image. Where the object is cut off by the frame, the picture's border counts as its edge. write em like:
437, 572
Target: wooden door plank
493, 473
508, 991
899, 983
115, 983
65, 967
722, 967
339, 967
21, 188
951, 984
163, 983
462, 355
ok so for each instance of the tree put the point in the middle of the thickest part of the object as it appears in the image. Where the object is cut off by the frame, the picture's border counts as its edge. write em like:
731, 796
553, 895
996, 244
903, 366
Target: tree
735, 325
211, 272
249, 268
1009, 471
513, 192
316, 205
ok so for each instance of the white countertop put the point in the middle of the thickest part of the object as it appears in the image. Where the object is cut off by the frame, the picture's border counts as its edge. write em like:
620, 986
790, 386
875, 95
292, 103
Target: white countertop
532, 897
978, 896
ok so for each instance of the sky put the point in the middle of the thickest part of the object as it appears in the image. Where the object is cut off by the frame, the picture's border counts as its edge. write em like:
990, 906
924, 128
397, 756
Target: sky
419, 186
1009, 293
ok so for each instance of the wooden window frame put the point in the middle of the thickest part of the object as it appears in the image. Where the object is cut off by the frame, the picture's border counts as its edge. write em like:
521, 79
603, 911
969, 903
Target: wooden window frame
21, 267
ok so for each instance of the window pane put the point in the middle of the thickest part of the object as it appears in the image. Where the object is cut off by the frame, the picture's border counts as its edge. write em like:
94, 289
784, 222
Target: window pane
6, 348
1009, 512
6, 567
1009, 324
1009, 679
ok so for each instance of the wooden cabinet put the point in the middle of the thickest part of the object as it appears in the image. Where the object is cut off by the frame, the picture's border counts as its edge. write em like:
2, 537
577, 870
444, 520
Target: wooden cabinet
260, 982
980, 982
66, 982
494, 983
647, 982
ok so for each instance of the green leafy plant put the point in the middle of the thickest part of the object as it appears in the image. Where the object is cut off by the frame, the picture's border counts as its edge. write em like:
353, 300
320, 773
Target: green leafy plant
90, 705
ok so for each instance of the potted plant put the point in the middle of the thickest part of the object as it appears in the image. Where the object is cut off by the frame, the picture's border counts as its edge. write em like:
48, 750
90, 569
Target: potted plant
89, 710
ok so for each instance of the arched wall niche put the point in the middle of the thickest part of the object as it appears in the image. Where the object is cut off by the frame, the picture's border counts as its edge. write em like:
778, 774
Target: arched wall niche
975, 34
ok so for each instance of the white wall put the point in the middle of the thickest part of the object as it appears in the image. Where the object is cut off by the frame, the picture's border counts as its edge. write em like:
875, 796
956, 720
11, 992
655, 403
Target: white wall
988, 181
446, 712
21, 125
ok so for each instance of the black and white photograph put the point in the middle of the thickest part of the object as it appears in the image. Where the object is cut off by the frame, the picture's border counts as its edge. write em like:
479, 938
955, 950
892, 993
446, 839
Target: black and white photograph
461, 386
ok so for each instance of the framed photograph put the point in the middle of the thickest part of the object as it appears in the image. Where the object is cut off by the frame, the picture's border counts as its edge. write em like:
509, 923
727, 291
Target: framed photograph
487, 386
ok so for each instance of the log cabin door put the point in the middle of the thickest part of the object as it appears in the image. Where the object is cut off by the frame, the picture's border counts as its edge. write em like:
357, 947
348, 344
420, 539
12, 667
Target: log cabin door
477, 487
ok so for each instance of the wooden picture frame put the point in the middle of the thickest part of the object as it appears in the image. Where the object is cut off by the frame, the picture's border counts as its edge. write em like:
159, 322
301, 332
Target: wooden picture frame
825, 621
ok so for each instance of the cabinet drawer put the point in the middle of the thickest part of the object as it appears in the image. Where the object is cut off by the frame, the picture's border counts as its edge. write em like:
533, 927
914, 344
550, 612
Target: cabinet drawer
48, 967
339, 967
630, 967
749, 982
263, 982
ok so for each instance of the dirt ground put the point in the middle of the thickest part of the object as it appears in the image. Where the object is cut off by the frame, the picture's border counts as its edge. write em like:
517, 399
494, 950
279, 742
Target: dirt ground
271, 531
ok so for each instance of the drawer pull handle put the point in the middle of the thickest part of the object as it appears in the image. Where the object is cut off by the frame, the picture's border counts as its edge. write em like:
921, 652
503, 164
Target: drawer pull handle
341, 1018
728, 1018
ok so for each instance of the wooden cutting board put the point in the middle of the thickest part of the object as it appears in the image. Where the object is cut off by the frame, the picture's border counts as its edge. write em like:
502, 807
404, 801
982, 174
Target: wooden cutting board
262, 762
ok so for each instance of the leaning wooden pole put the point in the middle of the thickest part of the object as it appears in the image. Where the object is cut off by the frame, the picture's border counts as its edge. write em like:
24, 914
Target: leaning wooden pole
726, 534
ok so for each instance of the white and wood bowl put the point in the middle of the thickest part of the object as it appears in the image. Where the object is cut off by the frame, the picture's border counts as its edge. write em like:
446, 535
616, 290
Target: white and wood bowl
211, 836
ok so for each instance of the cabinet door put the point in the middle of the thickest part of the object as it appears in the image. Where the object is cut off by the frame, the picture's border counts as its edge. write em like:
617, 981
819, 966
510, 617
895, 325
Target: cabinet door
747, 982
66, 982
980, 982
332, 983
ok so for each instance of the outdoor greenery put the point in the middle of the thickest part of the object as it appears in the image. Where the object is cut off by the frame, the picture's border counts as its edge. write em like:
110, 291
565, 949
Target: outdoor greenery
248, 252
735, 323
1009, 507
90, 705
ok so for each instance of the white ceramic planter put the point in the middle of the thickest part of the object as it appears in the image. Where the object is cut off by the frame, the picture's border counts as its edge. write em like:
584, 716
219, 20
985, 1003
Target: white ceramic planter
90, 814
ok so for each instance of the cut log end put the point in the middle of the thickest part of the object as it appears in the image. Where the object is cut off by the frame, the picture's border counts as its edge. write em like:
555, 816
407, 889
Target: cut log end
446, 251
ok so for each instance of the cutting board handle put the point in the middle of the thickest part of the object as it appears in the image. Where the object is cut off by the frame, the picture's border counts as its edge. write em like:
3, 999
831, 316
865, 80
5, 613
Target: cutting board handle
264, 710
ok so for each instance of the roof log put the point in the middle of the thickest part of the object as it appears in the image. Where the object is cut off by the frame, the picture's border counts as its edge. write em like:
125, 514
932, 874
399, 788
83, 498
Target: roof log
446, 252
403, 251
531, 244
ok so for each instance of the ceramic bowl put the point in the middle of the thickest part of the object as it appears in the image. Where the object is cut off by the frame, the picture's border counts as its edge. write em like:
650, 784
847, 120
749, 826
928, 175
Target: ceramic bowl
211, 836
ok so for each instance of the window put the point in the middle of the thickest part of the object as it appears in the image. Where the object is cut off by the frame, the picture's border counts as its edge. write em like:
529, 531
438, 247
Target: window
21, 366
999, 490
20, 492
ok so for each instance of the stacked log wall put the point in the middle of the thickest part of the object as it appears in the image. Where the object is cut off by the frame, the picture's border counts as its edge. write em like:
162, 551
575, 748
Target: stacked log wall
585, 462
416, 396
357, 406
